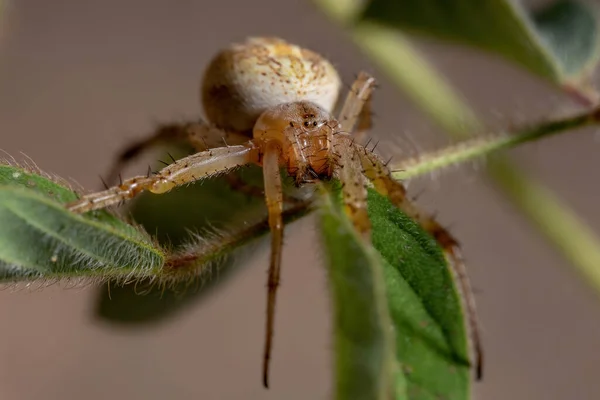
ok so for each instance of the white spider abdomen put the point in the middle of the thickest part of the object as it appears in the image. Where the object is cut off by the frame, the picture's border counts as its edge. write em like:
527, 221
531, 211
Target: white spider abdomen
245, 79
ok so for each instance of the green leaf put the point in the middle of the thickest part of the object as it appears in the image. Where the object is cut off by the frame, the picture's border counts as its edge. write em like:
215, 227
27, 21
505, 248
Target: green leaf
424, 304
569, 29
40, 239
558, 42
364, 344
422, 301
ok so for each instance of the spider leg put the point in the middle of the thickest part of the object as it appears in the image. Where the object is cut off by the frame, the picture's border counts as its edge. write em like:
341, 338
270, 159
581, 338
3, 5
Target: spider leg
356, 112
274, 199
364, 123
376, 171
199, 134
201, 137
186, 170
354, 191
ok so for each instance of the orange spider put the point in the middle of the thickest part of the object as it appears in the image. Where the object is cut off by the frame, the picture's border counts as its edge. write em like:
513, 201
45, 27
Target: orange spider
270, 102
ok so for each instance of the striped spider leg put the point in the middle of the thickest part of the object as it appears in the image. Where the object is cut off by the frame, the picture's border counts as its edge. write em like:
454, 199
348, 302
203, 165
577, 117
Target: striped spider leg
201, 137
186, 170
199, 134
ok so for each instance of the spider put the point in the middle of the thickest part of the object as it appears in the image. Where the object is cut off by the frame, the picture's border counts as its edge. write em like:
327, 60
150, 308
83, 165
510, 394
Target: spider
269, 103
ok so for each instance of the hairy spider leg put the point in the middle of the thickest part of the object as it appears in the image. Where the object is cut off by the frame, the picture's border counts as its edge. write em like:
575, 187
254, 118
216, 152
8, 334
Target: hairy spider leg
186, 170
355, 116
377, 172
354, 189
200, 135
274, 200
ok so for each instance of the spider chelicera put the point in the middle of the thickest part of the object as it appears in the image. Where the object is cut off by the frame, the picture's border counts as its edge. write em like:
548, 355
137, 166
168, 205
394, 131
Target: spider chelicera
269, 103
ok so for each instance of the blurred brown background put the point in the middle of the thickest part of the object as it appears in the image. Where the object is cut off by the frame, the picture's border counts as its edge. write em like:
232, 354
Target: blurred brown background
79, 79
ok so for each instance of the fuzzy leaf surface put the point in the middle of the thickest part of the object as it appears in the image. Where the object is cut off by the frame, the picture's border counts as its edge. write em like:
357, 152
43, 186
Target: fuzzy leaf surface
421, 300
40, 239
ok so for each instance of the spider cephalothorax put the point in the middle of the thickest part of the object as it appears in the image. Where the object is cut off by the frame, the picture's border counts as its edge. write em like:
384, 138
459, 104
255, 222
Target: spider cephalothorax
284, 96
305, 133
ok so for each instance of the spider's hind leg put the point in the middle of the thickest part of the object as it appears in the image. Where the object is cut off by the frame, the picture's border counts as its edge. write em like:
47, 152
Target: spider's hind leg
199, 135
377, 172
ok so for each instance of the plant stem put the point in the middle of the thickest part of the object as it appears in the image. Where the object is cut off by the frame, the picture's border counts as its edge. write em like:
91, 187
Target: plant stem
481, 146
187, 262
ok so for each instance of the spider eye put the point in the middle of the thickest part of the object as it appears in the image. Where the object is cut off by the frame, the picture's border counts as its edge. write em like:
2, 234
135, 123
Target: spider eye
306, 124
315, 123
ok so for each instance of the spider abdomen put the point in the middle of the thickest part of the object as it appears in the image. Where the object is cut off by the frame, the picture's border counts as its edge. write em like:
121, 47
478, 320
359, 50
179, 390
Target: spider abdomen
245, 79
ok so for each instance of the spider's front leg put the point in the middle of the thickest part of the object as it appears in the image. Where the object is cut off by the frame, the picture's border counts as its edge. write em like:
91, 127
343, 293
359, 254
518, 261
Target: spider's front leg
186, 170
354, 190
274, 200
355, 114
200, 135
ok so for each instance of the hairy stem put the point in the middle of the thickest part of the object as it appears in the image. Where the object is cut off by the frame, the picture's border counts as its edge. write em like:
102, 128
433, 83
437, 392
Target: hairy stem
182, 264
482, 146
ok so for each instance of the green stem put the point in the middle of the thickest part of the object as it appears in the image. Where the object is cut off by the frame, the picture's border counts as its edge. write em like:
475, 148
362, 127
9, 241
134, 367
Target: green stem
481, 146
